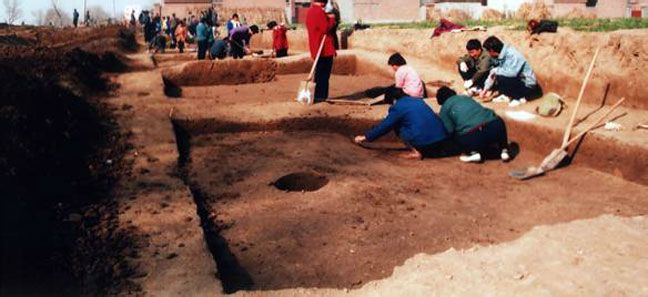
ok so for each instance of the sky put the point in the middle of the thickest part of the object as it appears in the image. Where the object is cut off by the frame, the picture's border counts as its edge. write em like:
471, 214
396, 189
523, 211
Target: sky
31, 6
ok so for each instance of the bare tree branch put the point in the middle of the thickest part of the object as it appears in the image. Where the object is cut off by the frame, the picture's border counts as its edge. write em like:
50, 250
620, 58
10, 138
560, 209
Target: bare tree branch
12, 10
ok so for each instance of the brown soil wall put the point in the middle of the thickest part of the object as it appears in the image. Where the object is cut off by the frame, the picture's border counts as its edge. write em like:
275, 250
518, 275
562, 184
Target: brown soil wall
227, 72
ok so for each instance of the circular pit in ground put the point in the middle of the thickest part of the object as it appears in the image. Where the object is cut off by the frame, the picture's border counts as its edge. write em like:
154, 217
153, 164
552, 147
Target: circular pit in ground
301, 181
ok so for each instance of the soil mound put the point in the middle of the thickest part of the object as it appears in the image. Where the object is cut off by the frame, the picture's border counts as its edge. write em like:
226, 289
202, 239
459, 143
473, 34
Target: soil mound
60, 156
225, 72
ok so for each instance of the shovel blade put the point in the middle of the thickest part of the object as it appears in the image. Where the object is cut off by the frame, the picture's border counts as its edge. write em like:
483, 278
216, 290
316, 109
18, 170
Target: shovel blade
526, 173
305, 92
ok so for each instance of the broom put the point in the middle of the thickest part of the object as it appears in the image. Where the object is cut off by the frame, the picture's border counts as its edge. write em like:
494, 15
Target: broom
304, 94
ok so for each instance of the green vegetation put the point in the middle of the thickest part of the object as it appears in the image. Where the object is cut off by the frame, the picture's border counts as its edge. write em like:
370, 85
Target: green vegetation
589, 25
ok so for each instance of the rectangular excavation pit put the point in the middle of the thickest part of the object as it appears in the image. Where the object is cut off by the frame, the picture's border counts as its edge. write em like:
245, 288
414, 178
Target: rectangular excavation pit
376, 210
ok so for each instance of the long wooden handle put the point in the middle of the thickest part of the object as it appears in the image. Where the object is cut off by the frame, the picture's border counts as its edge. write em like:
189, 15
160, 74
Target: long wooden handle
319, 53
580, 97
593, 125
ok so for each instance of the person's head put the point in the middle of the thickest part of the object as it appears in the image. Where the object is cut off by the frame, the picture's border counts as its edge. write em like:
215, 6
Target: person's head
474, 48
443, 94
254, 29
396, 60
203, 19
235, 17
493, 46
271, 25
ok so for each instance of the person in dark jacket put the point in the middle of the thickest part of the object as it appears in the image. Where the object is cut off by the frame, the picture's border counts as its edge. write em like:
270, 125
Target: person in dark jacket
240, 40
475, 128
417, 126
474, 67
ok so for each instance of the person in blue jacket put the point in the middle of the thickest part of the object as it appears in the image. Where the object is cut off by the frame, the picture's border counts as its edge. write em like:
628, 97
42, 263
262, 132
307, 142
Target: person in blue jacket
416, 124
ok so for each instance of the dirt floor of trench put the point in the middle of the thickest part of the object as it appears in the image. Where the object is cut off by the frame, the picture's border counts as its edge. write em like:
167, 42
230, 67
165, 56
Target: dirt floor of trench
376, 210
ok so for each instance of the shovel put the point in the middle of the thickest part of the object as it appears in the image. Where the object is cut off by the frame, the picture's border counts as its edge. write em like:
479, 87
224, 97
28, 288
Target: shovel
557, 155
306, 88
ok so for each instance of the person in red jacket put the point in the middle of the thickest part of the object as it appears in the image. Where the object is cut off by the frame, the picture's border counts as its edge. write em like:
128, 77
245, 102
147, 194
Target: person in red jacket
279, 39
319, 25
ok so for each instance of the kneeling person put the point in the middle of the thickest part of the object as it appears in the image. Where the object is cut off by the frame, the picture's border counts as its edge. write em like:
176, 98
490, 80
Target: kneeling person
475, 128
415, 123
474, 67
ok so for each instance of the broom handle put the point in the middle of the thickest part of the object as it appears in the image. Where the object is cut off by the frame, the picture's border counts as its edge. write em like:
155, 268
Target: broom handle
596, 123
319, 53
580, 97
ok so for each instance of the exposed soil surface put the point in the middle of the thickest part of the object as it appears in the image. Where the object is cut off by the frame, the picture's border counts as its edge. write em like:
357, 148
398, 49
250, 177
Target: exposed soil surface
376, 211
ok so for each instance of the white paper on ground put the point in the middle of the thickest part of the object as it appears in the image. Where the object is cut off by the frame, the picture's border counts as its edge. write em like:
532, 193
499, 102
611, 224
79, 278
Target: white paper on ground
520, 115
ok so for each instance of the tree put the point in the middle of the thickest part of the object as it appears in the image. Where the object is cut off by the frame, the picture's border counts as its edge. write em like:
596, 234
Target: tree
98, 14
12, 10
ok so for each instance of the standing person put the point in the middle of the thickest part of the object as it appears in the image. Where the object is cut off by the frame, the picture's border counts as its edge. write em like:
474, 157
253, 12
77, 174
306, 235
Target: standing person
75, 18
279, 39
406, 77
181, 36
475, 128
332, 8
319, 26
201, 38
172, 29
233, 23
417, 126
512, 73
240, 40
87, 18
133, 21
474, 67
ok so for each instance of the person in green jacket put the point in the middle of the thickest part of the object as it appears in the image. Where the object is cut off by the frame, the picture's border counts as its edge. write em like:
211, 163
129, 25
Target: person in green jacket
476, 129
474, 67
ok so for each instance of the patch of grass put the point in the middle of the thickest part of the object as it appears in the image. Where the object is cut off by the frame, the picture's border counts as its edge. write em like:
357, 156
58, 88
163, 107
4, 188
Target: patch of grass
587, 25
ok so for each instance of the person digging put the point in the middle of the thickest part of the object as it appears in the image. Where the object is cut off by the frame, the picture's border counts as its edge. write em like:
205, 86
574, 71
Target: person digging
415, 123
474, 128
474, 67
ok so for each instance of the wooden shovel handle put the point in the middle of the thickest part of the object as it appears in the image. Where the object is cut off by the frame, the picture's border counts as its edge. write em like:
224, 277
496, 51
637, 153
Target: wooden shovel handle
580, 97
593, 125
319, 53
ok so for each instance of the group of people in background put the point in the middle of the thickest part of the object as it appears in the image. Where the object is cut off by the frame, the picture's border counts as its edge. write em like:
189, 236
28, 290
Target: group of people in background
204, 31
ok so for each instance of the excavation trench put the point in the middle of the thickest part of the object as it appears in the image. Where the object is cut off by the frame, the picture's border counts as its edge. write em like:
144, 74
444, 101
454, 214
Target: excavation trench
289, 201
374, 212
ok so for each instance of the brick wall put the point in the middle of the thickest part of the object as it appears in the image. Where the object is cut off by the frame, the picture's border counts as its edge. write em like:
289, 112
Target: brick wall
385, 10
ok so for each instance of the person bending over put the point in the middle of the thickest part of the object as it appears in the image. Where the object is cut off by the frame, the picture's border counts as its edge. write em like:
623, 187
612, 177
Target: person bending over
515, 79
240, 40
474, 67
475, 128
416, 125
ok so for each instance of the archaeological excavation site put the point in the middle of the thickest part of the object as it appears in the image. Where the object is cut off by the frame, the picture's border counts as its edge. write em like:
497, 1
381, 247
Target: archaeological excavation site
129, 172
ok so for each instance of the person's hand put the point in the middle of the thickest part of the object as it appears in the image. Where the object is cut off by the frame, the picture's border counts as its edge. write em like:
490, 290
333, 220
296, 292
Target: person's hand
359, 139
468, 84
247, 51
463, 67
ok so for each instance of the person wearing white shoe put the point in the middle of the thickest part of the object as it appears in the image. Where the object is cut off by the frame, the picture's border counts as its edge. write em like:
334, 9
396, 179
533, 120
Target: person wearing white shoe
474, 66
512, 73
474, 128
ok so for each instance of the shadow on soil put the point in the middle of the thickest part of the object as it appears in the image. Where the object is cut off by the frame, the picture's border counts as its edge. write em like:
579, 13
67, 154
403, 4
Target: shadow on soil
233, 276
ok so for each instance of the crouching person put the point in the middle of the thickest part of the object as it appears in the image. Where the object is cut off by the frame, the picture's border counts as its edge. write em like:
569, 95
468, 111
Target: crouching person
416, 125
474, 67
474, 128
515, 79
